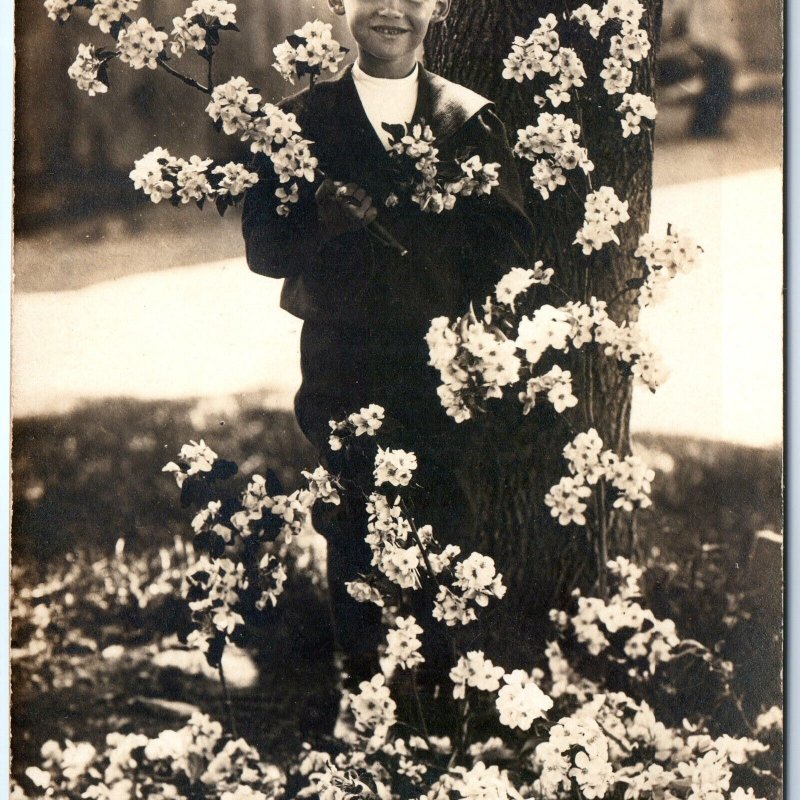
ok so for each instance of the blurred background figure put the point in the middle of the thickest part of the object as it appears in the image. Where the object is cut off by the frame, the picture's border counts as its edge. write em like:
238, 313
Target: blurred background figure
700, 38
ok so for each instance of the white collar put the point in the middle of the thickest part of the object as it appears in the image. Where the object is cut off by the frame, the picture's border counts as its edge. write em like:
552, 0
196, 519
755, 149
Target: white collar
359, 76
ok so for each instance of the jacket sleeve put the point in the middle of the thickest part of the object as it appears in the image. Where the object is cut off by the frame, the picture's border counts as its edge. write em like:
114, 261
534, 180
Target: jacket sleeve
498, 233
276, 246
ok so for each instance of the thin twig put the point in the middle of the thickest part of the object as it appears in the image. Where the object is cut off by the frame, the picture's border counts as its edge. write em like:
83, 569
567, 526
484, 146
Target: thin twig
579, 111
602, 568
620, 294
185, 78
465, 710
210, 80
418, 541
562, 291
420, 712
226, 702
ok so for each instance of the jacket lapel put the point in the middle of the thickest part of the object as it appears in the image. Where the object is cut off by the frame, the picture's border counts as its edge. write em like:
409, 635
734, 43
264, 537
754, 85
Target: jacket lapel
444, 105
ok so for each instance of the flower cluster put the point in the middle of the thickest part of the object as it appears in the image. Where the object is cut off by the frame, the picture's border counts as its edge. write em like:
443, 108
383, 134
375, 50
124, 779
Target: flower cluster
556, 383
140, 44
309, 51
233, 105
553, 145
394, 553
197, 758
59, 10
520, 702
664, 259
234, 180
162, 176
107, 12
541, 53
630, 44
628, 480
236, 109
193, 458
198, 28
628, 343
635, 108
620, 626
576, 750
548, 327
214, 593
373, 708
476, 671
87, 71
365, 422
401, 552
185, 36
603, 211
416, 156
476, 581
394, 467
518, 280
475, 360
220, 12
403, 644
246, 541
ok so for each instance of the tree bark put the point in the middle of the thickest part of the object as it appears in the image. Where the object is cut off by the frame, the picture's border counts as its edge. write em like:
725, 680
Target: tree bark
541, 560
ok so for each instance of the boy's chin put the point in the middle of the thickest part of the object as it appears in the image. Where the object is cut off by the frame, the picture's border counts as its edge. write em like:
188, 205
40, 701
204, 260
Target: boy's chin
387, 59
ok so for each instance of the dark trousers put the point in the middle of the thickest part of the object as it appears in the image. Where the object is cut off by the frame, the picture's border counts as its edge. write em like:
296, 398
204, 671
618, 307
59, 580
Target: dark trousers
344, 370
714, 104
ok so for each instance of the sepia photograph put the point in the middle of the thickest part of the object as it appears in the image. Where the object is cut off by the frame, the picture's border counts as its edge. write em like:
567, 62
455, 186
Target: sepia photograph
397, 400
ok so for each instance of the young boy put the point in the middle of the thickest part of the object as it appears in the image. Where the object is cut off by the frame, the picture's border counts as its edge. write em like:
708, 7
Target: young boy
366, 308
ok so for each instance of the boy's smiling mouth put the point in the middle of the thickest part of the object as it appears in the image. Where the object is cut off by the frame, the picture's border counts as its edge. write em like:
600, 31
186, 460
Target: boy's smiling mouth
389, 30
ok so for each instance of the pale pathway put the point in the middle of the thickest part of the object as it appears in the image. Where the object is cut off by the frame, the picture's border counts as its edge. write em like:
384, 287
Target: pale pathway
216, 329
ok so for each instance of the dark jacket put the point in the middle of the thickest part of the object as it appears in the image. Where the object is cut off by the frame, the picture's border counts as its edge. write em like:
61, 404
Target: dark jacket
354, 282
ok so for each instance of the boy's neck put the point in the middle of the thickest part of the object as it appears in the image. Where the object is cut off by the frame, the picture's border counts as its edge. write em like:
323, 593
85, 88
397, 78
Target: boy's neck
380, 68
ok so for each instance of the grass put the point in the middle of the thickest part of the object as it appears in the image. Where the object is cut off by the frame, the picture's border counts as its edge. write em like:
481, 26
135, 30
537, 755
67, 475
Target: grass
91, 477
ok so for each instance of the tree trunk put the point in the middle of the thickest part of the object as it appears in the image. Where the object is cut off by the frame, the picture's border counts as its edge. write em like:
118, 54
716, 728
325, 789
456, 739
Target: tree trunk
541, 560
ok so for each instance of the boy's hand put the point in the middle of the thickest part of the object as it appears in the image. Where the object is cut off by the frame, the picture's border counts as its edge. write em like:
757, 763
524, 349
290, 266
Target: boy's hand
343, 207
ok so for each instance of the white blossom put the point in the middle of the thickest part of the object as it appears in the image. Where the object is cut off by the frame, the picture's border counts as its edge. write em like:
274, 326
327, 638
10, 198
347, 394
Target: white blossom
59, 10
186, 35
476, 671
403, 644
192, 179
548, 327
106, 12
452, 609
395, 467
521, 701
140, 44
235, 179
566, 501
232, 105
84, 71
222, 11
